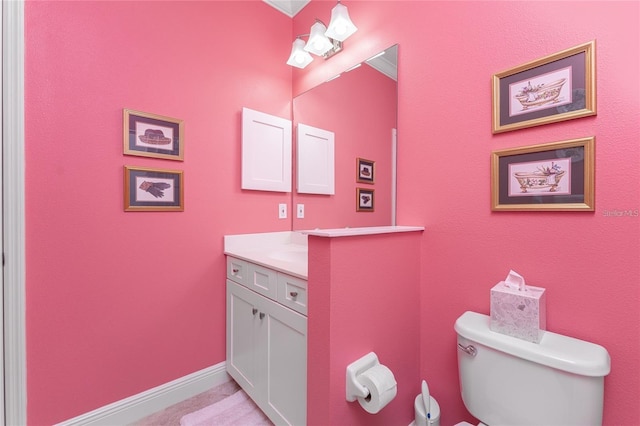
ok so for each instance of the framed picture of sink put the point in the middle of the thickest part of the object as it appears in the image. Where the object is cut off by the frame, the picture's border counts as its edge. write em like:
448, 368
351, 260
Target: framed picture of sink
152, 135
558, 87
553, 176
365, 170
364, 200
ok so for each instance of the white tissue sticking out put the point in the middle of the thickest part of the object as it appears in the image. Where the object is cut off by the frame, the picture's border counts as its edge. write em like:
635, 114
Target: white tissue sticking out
515, 281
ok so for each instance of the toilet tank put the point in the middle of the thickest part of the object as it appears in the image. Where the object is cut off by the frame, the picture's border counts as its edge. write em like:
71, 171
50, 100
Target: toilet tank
509, 381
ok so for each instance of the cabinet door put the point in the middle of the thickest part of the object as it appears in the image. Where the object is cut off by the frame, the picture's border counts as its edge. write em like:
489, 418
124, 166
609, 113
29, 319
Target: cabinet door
266, 152
243, 320
316, 160
284, 339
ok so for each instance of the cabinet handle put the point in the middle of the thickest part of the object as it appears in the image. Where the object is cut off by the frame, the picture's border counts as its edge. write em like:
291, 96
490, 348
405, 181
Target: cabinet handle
294, 294
235, 271
261, 315
254, 310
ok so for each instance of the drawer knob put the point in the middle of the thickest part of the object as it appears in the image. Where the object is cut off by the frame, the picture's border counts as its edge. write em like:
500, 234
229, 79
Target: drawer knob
254, 310
261, 315
235, 271
293, 294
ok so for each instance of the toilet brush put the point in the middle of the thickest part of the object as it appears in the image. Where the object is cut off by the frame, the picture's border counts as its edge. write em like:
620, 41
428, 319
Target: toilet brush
426, 400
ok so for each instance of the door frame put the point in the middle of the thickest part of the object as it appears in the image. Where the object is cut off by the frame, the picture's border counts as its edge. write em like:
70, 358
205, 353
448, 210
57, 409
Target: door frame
13, 213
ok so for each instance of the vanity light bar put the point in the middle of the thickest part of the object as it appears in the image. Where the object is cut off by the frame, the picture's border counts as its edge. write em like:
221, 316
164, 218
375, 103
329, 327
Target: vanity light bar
322, 40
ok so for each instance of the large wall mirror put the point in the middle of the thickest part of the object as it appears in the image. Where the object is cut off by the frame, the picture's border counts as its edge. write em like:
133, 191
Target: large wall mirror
359, 107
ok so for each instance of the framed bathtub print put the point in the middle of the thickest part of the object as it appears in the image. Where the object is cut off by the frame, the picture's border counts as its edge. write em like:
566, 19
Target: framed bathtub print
365, 170
555, 88
364, 200
152, 135
148, 189
553, 176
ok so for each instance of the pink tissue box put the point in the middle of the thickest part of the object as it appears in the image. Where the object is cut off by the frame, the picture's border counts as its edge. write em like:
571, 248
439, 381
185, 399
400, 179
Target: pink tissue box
518, 313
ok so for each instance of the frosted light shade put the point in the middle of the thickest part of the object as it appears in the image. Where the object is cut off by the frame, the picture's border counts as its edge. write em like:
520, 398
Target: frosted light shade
299, 57
340, 27
318, 43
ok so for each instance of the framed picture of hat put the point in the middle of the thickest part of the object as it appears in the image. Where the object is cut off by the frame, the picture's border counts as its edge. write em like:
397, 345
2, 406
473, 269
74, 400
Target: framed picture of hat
152, 135
147, 189
365, 171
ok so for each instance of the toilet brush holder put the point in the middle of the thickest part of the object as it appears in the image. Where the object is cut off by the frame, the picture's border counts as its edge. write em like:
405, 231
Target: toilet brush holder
421, 416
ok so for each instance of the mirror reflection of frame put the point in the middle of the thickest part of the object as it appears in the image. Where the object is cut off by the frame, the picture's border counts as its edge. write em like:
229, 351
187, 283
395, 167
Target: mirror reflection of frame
365, 171
360, 107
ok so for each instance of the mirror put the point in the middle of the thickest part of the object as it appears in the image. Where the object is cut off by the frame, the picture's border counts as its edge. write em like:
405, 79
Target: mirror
359, 107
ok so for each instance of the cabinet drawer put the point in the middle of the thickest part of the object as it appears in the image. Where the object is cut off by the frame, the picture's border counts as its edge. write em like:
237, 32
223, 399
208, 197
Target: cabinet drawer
238, 270
292, 292
262, 280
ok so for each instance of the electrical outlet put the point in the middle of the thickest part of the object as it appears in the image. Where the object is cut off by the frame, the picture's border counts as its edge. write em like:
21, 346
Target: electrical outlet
300, 211
282, 211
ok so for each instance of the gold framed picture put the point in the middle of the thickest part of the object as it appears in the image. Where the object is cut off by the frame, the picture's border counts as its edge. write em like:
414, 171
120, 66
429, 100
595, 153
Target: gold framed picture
552, 176
365, 170
555, 88
148, 189
152, 135
364, 200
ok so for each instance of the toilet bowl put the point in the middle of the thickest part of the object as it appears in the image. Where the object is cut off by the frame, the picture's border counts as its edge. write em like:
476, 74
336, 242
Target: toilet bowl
509, 381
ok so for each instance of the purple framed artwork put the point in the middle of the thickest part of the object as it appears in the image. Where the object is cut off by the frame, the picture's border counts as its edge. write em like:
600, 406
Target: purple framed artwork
552, 176
555, 88
148, 189
152, 135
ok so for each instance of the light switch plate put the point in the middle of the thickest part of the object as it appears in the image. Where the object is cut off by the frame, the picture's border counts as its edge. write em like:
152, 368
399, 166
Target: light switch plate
300, 211
282, 211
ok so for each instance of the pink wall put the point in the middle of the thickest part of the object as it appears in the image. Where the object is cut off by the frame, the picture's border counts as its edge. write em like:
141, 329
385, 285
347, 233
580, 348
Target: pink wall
118, 303
362, 120
587, 261
364, 296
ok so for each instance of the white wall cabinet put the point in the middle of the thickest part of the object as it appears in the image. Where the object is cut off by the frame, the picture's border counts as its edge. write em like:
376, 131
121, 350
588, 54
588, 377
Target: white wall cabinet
266, 152
316, 160
267, 341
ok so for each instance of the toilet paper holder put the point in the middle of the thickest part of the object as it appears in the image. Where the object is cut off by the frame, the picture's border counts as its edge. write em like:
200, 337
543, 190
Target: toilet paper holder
355, 389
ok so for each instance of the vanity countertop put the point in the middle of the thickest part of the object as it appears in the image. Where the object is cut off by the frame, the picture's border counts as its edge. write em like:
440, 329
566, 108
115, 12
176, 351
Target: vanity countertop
287, 251
282, 251
369, 230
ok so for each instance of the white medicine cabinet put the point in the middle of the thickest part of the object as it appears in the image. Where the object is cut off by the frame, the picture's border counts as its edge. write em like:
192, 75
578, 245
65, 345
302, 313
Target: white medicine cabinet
266, 152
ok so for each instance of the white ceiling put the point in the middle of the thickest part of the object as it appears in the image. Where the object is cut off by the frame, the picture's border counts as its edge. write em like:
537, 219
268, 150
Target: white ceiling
288, 7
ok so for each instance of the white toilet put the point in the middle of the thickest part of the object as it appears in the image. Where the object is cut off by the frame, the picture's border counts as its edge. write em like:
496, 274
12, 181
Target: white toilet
509, 381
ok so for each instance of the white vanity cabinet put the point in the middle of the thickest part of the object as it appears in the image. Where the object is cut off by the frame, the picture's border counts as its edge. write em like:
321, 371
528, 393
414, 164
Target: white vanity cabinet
267, 339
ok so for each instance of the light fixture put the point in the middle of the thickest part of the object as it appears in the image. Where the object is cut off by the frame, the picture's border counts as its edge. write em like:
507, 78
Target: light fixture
340, 27
318, 43
322, 41
299, 57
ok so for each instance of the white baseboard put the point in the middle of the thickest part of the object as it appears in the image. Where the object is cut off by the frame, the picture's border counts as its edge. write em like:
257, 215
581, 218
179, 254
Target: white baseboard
129, 410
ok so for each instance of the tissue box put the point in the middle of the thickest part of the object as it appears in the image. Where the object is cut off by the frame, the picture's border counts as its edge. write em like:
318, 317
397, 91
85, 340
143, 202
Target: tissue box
518, 313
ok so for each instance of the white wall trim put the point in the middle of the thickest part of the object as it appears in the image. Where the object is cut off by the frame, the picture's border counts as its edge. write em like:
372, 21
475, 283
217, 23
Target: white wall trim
13, 169
129, 410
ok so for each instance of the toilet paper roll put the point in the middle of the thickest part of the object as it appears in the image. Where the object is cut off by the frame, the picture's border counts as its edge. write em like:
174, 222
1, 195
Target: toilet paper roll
382, 388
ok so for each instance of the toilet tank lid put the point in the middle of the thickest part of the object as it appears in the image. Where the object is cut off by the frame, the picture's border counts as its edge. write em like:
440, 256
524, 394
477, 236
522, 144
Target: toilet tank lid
554, 350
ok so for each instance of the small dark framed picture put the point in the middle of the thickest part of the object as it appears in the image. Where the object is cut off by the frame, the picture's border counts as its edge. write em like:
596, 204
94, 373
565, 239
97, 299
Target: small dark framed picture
148, 189
152, 135
364, 200
553, 176
365, 170
558, 87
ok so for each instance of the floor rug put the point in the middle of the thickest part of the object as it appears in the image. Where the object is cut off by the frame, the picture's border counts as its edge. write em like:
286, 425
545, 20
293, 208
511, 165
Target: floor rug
235, 410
